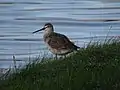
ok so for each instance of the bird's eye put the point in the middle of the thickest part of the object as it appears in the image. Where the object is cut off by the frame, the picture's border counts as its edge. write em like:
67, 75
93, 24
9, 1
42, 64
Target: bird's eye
46, 26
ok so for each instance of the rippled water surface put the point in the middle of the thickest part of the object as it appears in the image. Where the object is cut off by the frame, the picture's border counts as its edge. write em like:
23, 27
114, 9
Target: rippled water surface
80, 20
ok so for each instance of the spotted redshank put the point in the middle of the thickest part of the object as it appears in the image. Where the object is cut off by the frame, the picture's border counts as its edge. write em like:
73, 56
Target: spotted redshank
57, 43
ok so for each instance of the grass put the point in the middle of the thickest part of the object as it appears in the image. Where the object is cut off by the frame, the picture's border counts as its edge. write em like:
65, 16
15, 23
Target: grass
96, 67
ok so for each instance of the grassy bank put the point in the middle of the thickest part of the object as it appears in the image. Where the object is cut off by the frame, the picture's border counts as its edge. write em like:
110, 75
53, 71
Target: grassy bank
96, 67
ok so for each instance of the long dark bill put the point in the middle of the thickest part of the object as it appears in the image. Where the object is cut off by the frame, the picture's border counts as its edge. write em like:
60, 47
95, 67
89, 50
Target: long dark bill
38, 30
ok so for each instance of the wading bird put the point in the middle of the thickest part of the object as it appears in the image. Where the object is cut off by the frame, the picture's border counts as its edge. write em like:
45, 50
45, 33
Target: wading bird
57, 43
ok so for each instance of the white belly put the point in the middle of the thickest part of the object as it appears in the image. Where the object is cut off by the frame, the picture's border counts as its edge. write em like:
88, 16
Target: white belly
59, 52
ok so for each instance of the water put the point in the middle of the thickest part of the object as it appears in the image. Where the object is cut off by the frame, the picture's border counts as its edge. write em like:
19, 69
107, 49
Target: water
80, 20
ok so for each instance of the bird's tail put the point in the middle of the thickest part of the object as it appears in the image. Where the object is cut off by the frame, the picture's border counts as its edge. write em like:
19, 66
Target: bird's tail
76, 47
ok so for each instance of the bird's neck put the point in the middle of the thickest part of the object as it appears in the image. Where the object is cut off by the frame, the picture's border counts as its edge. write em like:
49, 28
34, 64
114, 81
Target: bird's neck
48, 31
47, 35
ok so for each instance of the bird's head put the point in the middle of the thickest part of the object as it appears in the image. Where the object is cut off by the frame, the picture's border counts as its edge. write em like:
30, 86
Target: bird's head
48, 28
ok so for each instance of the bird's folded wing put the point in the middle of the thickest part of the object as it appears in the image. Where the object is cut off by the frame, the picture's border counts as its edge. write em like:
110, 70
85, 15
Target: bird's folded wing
59, 42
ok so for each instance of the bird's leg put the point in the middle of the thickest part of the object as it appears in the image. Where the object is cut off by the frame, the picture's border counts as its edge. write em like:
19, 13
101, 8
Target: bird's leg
64, 56
55, 56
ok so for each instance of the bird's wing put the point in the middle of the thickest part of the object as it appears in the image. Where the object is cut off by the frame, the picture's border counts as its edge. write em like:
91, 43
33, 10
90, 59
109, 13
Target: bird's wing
59, 41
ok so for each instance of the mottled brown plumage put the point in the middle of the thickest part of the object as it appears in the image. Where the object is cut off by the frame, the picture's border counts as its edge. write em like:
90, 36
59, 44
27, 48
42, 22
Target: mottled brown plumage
57, 43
